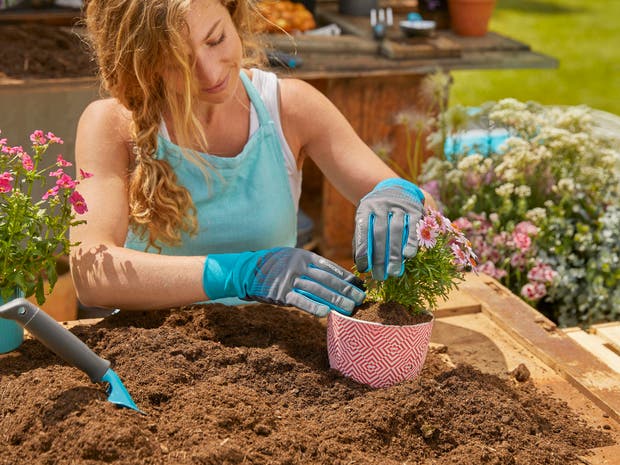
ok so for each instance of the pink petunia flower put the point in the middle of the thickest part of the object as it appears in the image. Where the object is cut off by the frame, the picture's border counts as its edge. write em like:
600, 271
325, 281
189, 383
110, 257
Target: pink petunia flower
37, 137
53, 192
60, 161
78, 202
85, 174
27, 162
54, 139
66, 182
5, 182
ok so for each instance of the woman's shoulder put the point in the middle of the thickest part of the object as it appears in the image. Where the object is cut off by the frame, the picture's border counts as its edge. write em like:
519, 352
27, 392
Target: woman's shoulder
106, 116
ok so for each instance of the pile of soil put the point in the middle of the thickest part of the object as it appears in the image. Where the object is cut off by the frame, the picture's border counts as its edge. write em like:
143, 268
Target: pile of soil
43, 51
252, 385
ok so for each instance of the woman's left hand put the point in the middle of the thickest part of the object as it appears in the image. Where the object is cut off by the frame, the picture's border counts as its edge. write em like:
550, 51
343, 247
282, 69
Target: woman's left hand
385, 224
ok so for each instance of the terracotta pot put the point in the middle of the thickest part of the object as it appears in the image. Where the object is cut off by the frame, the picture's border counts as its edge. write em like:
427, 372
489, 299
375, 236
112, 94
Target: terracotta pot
375, 354
11, 334
471, 17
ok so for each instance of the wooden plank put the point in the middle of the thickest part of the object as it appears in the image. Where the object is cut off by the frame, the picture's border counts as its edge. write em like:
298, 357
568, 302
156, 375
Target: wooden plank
597, 346
581, 368
320, 44
57, 16
457, 303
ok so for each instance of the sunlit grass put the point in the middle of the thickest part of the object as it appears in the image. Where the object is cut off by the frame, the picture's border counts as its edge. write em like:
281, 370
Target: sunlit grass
583, 35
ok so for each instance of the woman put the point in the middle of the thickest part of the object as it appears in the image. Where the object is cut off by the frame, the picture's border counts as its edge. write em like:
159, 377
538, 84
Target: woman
197, 169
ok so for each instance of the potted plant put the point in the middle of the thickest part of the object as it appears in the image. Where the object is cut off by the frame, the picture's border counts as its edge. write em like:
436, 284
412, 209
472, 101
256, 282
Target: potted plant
386, 340
470, 17
33, 227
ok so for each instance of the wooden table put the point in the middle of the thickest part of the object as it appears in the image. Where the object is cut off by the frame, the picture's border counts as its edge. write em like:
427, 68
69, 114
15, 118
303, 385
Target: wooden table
370, 82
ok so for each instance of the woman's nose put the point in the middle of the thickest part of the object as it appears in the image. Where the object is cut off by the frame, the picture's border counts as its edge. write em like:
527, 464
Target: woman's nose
208, 72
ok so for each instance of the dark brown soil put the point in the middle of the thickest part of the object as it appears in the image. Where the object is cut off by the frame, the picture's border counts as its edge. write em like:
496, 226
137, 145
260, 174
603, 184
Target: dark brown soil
390, 313
43, 51
252, 385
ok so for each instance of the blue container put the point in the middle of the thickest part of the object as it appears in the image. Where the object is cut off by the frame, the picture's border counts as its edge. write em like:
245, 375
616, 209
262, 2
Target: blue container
11, 334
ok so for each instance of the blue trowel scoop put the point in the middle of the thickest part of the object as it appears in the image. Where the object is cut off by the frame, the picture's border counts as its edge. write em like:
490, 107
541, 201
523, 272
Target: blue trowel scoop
68, 347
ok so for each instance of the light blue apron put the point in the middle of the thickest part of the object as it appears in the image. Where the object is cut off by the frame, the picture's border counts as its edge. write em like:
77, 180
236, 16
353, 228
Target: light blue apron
246, 204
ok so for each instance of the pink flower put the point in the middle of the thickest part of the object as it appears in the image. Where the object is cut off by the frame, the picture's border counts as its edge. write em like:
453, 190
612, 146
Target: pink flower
5, 182
522, 241
62, 162
78, 202
54, 139
490, 269
518, 260
542, 273
3, 141
37, 137
427, 232
534, 291
53, 192
27, 162
58, 173
525, 227
66, 182
462, 224
85, 174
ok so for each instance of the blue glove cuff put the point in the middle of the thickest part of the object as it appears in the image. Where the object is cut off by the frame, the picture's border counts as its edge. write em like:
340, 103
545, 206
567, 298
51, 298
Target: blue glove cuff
409, 188
223, 274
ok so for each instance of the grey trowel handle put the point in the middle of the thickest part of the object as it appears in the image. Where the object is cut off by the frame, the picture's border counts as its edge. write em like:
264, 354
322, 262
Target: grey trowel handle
55, 337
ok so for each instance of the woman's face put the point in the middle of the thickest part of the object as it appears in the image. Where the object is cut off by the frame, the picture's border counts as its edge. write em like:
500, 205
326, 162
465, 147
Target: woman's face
217, 50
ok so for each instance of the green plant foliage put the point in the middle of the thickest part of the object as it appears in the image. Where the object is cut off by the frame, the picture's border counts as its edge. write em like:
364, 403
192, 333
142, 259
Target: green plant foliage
33, 231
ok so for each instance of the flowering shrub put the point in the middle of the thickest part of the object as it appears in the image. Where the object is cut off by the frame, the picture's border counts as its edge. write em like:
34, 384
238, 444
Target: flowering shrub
558, 176
33, 231
444, 253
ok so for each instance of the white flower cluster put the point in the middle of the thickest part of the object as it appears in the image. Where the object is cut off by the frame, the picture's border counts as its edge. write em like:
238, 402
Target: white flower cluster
556, 171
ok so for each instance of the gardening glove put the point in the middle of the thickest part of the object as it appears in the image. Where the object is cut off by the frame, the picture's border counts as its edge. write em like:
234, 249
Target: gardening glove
385, 224
283, 276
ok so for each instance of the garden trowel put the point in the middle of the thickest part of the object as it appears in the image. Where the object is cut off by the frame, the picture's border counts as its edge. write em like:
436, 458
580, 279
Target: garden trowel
68, 347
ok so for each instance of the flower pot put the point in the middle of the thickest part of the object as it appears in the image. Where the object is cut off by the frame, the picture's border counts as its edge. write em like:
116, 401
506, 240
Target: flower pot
471, 17
11, 334
356, 7
376, 354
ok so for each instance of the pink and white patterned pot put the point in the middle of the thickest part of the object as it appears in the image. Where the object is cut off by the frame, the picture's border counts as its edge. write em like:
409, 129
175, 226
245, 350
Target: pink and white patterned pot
376, 354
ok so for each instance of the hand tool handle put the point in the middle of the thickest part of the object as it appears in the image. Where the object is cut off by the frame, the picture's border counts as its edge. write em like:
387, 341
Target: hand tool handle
55, 337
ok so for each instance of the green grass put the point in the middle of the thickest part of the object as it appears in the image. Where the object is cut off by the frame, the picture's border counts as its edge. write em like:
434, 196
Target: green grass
584, 35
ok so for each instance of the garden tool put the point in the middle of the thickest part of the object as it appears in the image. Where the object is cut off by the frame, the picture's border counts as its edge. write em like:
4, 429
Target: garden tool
68, 347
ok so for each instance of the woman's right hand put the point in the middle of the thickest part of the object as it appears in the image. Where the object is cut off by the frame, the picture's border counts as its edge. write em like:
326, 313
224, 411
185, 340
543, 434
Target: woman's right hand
284, 276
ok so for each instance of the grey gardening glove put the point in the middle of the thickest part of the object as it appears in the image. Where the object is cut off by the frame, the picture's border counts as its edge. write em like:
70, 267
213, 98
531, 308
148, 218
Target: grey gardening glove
385, 224
283, 276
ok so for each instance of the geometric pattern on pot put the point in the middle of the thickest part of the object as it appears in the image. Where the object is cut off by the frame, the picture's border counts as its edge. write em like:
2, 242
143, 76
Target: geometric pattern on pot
374, 354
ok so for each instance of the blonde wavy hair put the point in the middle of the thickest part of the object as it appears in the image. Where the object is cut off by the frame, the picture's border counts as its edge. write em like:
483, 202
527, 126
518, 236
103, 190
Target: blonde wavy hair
134, 41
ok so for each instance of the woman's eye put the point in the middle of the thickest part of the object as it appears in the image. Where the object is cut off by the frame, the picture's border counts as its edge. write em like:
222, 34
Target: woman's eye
219, 40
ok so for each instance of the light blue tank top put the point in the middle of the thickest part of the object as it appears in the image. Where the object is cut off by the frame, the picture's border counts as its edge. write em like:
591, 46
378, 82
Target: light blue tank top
246, 204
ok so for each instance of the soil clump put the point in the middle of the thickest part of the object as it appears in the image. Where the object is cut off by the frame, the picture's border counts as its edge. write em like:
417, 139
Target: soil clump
252, 385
